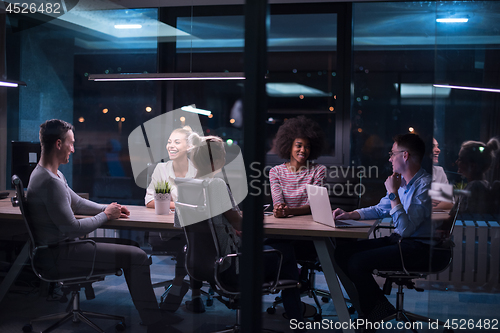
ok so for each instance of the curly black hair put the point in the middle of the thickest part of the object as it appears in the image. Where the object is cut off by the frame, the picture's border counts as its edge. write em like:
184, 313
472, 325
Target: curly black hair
300, 127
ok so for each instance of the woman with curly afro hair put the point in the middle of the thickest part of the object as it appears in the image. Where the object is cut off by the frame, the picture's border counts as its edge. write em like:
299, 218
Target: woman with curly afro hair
300, 140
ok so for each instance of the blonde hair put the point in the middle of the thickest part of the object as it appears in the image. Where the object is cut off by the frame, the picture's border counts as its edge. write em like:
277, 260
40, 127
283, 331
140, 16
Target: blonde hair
186, 130
206, 152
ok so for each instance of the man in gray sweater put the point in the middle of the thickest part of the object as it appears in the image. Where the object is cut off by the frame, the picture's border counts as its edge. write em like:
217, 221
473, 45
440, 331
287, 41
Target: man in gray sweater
53, 205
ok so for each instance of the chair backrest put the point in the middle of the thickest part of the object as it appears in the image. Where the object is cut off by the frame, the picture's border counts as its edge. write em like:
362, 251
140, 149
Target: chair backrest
20, 201
344, 187
442, 254
193, 210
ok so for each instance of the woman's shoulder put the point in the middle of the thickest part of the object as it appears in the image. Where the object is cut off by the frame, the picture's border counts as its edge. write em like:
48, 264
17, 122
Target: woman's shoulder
319, 167
163, 165
279, 168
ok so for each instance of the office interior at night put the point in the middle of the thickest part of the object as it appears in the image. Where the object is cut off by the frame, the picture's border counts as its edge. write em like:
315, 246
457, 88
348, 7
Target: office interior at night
364, 70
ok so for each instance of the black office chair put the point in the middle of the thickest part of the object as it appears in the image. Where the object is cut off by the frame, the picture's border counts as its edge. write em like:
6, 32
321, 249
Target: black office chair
440, 259
203, 256
70, 282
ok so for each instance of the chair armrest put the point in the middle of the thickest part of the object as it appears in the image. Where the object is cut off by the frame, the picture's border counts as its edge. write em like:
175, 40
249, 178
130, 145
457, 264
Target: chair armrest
378, 225
64, 244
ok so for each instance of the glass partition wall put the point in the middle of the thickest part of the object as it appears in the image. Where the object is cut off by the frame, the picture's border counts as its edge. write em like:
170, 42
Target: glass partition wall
430, 68
409, 72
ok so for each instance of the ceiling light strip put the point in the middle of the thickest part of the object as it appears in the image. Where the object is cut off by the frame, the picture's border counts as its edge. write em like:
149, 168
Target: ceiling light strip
452, 20
189, 108
10, 83
168, 76
467, 88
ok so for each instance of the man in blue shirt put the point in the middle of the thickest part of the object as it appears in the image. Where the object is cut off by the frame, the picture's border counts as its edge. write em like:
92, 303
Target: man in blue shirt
408, 203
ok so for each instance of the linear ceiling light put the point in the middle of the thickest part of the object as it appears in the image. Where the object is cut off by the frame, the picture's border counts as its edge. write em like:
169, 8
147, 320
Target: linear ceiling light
452, 20
128, 26
10, 83
189, 108
168, 76
467, 88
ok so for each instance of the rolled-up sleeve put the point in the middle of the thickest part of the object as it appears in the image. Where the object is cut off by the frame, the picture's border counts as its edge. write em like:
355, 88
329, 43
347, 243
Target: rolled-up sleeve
378, 211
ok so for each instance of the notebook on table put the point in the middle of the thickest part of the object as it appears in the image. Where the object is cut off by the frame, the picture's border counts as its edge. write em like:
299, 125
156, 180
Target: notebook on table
322, 212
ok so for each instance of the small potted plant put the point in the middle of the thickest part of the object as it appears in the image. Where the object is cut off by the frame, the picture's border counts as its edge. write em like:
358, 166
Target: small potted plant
162, 197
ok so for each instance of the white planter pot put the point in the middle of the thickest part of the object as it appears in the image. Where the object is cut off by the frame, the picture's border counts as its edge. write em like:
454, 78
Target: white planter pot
162, 203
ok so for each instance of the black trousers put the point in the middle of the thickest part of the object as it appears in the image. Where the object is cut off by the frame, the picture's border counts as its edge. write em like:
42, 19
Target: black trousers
358, 260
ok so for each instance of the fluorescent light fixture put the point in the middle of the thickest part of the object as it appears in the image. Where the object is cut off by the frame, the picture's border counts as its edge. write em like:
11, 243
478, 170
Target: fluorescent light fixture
467, 88
189, 108
452, 20
421, 90
10, 83
168, 76
128, 26
292, 89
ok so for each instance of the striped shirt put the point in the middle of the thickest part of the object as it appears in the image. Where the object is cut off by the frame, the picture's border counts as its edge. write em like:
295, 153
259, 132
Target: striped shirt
290, 187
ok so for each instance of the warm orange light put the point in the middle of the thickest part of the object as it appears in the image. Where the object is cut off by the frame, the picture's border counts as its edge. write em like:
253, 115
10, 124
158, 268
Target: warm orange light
411, 129
232, 121
81, 119
301, 96
122, 119
331, 108
210, 116
360, 130
183, 119
117, 118
148, 109
334, 96
105, 110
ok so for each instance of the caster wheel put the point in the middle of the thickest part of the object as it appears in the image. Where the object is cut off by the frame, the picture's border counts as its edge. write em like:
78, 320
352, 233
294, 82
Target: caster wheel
210, 302
27, 328
120, 327
271, 310
318, 317
325, 299
351, 310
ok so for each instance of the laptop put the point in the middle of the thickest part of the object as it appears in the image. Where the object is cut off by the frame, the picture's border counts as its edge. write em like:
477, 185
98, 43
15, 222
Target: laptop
322, 212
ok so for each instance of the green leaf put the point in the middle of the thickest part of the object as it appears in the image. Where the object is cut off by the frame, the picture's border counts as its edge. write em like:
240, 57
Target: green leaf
162, 187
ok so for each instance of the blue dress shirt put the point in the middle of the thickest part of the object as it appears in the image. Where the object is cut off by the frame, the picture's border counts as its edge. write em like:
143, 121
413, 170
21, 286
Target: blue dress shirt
413, 217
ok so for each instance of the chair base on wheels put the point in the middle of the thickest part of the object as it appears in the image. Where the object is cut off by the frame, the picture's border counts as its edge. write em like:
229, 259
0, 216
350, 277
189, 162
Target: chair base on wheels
168, 284
310, 290
403, 315
74, 313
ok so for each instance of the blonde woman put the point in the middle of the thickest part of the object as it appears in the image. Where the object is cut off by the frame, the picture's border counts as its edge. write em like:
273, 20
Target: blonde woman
178, 166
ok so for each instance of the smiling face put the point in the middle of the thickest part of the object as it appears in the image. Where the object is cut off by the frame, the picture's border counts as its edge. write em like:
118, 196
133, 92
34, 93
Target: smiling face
66, 146
435, 151
301, 149
177, 146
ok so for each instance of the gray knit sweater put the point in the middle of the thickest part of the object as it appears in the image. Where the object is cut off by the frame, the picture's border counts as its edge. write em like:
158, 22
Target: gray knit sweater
53, 205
